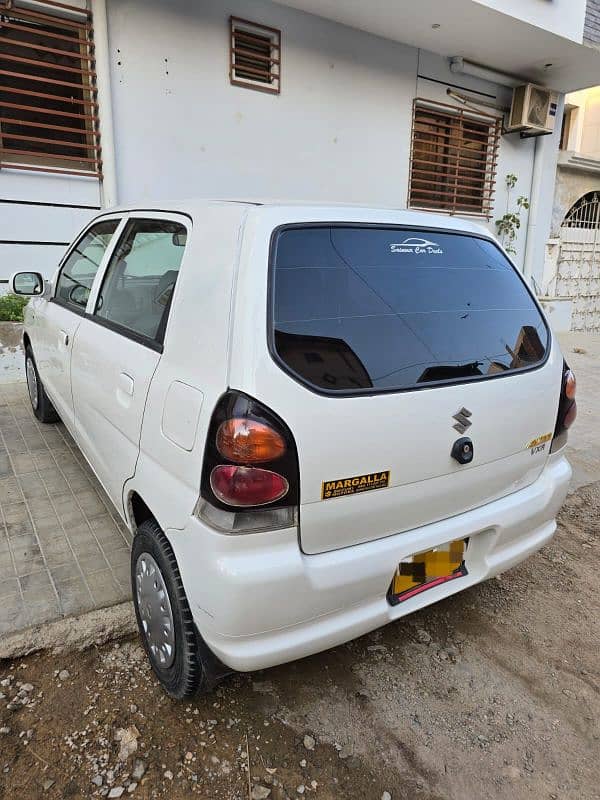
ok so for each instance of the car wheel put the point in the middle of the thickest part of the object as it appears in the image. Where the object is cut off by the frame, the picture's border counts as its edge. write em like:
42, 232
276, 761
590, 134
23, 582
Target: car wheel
163, 614
40, 402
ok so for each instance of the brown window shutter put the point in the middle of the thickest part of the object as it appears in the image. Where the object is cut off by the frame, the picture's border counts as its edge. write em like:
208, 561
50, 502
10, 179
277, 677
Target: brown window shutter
254, 56
48, 110
454, 155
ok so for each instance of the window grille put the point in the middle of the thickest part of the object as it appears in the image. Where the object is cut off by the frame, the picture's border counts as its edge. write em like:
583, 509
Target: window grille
453, 159
255, 56
48, 109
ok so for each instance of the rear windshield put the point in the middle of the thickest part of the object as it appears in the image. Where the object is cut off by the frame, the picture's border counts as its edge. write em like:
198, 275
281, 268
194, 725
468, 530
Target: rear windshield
362, 308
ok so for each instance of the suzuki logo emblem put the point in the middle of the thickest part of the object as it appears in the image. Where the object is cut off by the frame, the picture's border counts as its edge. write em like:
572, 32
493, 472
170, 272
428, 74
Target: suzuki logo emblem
462, 420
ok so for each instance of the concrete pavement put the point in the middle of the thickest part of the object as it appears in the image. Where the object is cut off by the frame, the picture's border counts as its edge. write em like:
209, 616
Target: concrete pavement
63, 549
582, 352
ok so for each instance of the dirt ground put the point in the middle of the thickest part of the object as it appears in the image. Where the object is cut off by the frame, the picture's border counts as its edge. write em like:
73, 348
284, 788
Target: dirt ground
493, 693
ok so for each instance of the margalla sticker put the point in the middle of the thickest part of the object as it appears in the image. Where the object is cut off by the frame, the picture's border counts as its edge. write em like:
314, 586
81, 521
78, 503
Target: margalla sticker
417, 246
355, 485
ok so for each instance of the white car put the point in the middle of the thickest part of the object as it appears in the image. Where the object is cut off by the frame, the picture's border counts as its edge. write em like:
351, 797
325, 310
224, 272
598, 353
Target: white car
315, 420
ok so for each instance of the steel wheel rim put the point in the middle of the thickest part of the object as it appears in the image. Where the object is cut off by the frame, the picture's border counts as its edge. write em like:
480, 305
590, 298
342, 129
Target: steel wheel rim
155, 611
32, 383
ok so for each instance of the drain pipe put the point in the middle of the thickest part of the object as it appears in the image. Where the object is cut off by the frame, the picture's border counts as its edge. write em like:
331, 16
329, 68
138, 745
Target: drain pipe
463, 66
102, 54
541, 200
534, 203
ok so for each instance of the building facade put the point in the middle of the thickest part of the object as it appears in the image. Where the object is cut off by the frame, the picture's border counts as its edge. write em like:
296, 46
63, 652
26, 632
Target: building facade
121, 101
571, 279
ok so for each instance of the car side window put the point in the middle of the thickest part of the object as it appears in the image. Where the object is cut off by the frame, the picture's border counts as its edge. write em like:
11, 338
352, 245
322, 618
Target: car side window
140, 279
79, 270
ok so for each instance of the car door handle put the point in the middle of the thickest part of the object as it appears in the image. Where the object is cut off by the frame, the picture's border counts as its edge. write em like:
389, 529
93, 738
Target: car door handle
126, 384
65, 338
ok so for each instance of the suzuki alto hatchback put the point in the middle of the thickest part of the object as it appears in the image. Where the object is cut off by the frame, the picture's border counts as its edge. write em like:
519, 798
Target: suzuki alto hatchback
314, 420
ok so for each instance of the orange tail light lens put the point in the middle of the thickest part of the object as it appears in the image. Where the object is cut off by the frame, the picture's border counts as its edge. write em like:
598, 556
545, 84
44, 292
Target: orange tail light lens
247, 441
570, 385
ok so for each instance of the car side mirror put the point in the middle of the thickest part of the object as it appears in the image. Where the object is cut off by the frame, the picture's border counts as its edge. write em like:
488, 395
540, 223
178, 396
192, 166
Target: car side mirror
27, 283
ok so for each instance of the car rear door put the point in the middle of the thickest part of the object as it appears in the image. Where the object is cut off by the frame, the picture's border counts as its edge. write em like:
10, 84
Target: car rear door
119, 343
387, 346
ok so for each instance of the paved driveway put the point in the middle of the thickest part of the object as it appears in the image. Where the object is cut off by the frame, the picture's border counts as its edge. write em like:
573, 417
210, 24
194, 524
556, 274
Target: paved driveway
63, 549
582, 352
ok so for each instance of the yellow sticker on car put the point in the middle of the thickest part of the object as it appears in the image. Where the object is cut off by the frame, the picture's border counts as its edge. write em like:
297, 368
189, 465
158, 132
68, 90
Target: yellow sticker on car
355, 485
538, 441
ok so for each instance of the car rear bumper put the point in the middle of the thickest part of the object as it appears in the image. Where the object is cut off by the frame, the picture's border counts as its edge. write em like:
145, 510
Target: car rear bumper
259, 601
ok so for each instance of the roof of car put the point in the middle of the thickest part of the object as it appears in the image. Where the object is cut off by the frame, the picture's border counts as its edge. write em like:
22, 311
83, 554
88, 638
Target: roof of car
334, 211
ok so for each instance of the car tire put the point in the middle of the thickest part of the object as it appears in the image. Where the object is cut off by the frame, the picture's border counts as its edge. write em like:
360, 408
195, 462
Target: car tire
163, 614
40, 402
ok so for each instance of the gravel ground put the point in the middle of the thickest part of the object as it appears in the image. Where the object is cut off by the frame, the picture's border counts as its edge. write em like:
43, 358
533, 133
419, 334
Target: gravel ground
493, 693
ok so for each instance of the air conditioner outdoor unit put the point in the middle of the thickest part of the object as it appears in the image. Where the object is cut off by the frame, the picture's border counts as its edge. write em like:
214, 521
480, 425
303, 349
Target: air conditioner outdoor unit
533, 109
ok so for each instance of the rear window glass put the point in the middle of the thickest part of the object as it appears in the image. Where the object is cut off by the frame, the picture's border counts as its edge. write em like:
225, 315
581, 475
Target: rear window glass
357, 308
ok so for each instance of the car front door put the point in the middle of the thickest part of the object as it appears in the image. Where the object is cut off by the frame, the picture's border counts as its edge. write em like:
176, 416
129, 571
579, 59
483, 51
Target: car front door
119, 344
56, 320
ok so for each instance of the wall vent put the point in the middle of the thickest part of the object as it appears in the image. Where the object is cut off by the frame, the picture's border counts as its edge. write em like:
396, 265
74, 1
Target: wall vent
255, 56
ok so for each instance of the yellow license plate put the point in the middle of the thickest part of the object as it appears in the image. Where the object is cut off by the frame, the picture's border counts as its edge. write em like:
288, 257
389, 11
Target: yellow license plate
425, 570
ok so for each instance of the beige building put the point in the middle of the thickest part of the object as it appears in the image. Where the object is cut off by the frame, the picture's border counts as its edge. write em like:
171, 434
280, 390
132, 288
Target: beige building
571, 281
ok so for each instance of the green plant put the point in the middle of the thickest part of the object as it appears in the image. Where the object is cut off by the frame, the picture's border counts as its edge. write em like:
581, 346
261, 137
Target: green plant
11, 307
509, 224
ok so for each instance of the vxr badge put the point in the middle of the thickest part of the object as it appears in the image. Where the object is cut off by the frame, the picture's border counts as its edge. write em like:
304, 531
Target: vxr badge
462, 420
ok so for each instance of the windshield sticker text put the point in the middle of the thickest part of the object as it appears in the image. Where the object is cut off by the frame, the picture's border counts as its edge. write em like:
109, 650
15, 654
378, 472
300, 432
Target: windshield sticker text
417, 246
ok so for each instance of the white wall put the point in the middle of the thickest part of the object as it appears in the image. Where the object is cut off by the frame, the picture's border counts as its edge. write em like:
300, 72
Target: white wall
39, 213
521, 37
562, 17
338, 131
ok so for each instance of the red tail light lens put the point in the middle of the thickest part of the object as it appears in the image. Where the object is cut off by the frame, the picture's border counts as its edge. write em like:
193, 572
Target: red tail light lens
570, 416
567, 408
248, 441
247, 486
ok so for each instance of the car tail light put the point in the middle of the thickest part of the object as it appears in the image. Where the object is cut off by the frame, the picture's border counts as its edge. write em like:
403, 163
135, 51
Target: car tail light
570, 385
567, 408
247, 441
250, 477
247, 486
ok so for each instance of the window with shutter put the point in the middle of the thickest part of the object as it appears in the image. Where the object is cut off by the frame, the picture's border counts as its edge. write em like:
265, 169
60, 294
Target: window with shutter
453, 159
48, 110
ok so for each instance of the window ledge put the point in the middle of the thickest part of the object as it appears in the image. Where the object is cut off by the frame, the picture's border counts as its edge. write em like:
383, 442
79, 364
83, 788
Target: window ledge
569, 159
